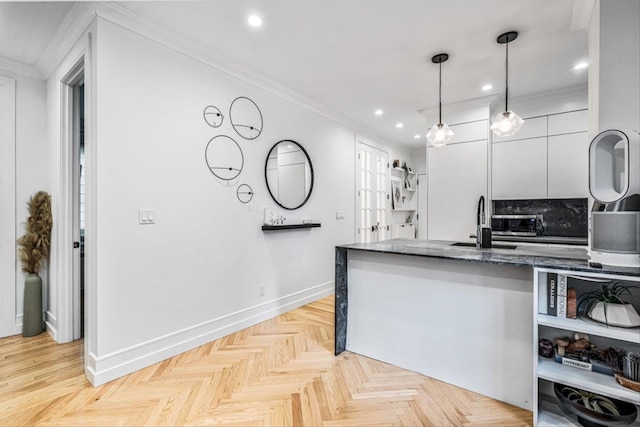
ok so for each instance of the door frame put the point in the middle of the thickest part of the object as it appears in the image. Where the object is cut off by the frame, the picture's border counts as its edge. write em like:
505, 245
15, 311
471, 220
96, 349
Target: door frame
68, 315
8, 261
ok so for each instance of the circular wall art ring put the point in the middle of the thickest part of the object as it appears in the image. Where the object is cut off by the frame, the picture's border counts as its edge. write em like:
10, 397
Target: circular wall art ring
246, 118
213, 116
244, 193
224, 157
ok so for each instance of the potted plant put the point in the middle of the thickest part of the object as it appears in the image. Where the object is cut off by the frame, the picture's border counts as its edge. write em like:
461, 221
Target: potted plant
33, 248
606, 305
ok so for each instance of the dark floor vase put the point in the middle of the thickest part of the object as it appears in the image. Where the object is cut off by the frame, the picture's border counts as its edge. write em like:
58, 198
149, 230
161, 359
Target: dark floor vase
32, 321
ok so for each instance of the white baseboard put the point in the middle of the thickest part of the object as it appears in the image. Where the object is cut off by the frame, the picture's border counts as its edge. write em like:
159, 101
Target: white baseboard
51, 324
102, 369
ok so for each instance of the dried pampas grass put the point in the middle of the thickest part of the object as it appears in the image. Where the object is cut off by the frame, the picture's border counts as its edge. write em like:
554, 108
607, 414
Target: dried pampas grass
34, 245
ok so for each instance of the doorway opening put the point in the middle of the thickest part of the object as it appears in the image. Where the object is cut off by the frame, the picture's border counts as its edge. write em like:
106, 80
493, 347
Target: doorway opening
74, 171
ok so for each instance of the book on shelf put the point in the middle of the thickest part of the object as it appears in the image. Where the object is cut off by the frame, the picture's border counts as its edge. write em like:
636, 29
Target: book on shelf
552, 289
561, 296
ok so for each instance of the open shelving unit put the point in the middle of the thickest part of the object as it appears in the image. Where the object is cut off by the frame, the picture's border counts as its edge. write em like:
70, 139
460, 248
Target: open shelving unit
547, 411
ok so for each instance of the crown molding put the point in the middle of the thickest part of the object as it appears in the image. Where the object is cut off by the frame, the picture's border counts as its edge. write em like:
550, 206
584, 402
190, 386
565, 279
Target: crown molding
74, 24
581, 14
82, 15
15, 67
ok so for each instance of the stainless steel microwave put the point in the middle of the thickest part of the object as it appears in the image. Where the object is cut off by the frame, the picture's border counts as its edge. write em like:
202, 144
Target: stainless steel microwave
514, 225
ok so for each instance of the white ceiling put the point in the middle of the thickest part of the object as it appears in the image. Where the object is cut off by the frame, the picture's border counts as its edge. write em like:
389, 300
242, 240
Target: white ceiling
355, 56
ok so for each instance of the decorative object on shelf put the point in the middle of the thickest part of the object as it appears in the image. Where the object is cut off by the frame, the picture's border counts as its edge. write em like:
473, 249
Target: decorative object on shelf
396, 199
246, 118
244, 193
593, 409
606, 305
440, 133
582, 354
224, 157
288, 173
407, 181
33, 249
627, 383
506, 123
212, 116
545, 348
631, 366
396, 163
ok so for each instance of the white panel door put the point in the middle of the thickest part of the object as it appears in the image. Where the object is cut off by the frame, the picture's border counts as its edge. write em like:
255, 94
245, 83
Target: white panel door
519, 169
569, 165
371, 193
457, 177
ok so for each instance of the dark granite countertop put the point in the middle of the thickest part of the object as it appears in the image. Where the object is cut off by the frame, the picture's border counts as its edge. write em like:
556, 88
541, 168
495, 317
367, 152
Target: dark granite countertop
574, 259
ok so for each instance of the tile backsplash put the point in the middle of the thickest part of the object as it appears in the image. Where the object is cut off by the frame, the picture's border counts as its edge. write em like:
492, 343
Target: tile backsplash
560, 217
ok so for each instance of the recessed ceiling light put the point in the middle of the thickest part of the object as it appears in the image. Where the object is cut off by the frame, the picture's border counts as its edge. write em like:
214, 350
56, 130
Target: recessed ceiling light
378, 112
399, 125
580, 66
416, 136
487, 87
255, 21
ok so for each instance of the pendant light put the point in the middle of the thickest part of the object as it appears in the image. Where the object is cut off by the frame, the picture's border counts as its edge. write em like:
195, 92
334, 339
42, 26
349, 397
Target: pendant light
440, 133
508, 122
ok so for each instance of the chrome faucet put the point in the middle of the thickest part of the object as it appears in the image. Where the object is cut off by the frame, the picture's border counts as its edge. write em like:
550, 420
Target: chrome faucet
480, 221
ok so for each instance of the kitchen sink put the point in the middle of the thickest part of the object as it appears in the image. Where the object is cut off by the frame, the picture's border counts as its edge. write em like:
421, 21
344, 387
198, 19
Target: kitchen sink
494, 246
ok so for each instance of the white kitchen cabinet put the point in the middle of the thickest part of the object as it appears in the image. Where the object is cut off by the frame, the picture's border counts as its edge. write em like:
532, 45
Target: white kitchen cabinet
568, 173
520, 169
546, 410
457, 177
574, 121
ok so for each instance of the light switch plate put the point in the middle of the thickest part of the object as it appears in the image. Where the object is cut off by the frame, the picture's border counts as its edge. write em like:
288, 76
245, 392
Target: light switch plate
339, 214
147, 216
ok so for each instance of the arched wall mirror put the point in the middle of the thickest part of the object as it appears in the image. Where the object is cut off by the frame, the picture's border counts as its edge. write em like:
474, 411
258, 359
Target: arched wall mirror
289, 174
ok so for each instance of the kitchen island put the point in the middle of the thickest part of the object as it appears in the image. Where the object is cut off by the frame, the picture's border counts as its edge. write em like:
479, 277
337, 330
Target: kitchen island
459, 314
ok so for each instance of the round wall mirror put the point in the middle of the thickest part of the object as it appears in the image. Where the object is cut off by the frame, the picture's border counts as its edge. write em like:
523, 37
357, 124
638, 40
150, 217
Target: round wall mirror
289, 174
246, 118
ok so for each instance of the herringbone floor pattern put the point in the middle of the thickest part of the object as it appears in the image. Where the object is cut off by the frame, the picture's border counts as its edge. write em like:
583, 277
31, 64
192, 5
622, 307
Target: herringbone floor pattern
279, 372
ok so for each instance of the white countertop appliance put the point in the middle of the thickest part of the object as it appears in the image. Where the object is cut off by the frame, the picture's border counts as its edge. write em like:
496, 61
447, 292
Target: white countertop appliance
614, 183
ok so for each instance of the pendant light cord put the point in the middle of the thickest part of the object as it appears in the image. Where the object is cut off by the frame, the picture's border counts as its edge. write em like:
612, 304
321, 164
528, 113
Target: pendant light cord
506, 67
440, 96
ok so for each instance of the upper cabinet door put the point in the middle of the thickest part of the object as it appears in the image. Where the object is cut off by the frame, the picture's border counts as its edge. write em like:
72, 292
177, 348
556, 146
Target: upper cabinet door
575, 121
532, 128
569, 165
520, 169
471, 131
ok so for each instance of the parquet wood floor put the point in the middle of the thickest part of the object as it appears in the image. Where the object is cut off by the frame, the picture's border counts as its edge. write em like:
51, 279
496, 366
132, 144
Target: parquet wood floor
279, 372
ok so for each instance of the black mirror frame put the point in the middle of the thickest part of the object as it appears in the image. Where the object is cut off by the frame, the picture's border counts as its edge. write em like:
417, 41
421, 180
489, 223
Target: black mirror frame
266, 180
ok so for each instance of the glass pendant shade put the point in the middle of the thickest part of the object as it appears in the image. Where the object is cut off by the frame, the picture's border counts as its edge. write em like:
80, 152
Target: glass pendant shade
506, 124
439, 135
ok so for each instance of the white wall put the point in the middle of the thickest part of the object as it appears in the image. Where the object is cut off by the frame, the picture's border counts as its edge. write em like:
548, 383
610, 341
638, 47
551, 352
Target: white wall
195, 274
32, 160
